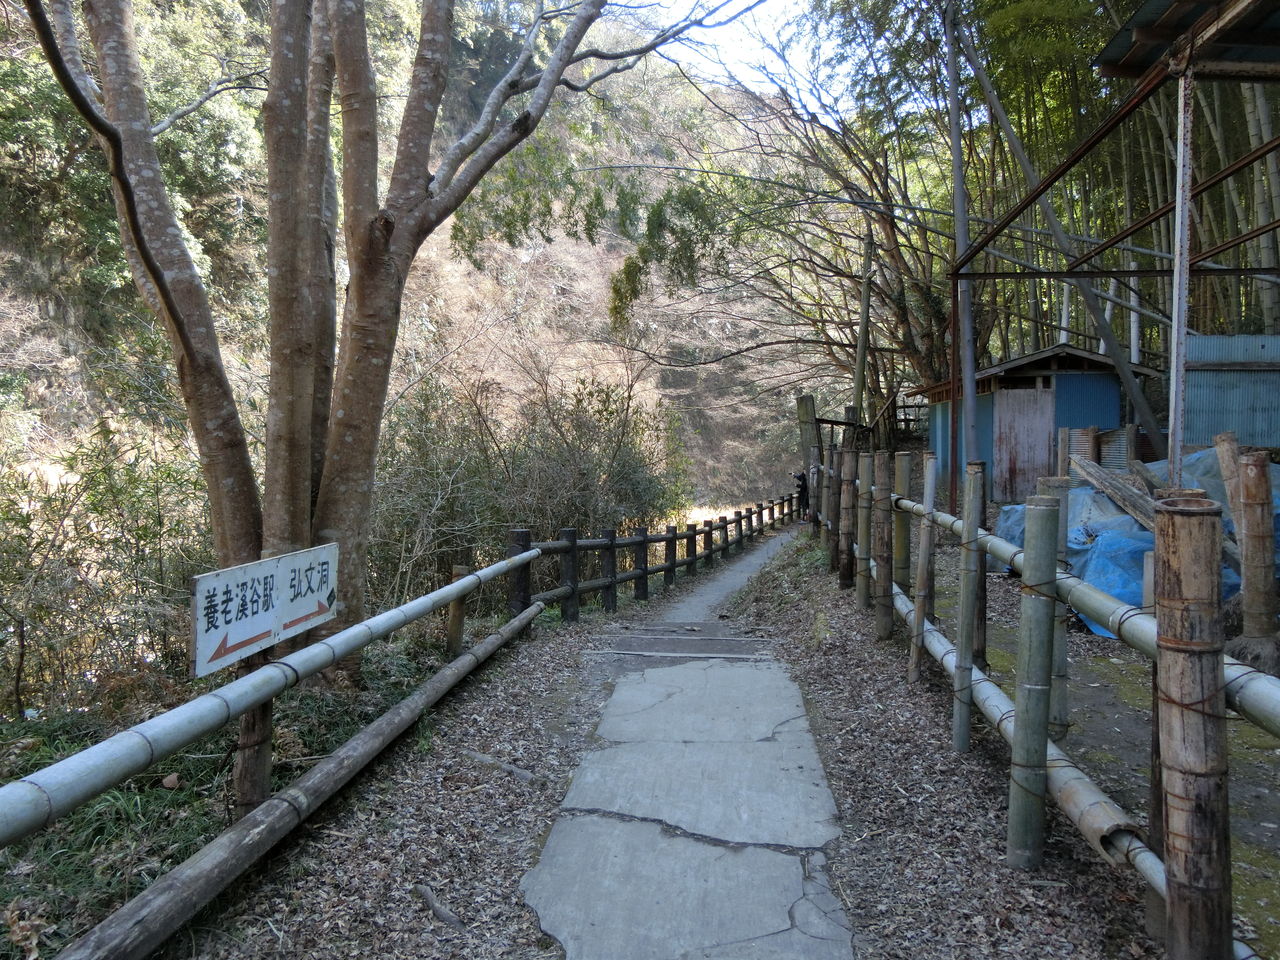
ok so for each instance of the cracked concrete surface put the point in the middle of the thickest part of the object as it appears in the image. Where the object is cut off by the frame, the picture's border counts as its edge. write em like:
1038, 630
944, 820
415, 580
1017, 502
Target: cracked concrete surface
697, 834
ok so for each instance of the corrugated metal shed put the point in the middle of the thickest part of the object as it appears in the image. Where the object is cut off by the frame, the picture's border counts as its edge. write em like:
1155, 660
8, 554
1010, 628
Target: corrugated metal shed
1233, 383
1022, 403
1088, 400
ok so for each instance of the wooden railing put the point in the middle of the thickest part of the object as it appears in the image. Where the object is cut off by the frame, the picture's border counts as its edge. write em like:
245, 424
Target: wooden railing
679, 549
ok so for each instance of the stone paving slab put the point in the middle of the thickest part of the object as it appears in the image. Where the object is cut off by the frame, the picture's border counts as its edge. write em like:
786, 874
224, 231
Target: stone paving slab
624, 890
764, 793
702, 700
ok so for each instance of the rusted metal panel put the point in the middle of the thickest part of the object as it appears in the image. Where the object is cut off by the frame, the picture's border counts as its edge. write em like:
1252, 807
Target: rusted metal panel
1233, 383
1113, 451
1024, 438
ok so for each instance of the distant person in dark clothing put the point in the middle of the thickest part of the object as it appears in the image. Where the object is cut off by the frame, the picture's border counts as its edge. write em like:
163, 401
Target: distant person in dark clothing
802, 491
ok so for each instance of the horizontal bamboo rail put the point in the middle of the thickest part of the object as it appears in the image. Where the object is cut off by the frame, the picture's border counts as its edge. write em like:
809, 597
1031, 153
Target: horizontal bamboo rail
29, 804
1103, 823
145, 922
1250, 693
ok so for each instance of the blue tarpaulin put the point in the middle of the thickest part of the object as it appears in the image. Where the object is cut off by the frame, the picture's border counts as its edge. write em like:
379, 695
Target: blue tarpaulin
1105, 545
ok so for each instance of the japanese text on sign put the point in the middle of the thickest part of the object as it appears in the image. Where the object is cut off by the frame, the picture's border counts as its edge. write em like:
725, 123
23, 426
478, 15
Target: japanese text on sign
244, 609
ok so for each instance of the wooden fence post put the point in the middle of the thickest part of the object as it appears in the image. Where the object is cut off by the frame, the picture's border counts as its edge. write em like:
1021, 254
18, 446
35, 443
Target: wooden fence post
457, 613
773, 515
669, 556
737, 531
966, 620
862, 591
519, 588
902, 522
640, 561
1256, 537
251, 770
708, 542
1193, 729
883, 547
609, 569
752, 530
1064, 451
828, 496
691, 548
1028, 776
837, 487
848, 518
569, 575
1059, 687
723, 523
815, 492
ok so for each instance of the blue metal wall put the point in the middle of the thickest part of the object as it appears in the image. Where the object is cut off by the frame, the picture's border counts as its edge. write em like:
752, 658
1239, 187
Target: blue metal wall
940, 435
1244, 400
1087, 400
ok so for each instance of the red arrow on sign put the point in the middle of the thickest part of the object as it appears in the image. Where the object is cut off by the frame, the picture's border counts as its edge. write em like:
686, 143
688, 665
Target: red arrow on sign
319, 611
225, 648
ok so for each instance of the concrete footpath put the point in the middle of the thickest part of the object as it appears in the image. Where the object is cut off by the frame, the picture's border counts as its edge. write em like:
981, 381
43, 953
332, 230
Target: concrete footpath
697, 832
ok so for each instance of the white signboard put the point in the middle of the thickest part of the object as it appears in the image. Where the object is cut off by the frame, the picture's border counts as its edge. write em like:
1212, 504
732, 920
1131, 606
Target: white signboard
244, 609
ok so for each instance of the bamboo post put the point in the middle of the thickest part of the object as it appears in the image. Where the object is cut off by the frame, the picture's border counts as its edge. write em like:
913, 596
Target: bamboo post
1064, 451
924, 567
691, 548
966, 622
1256, 537
669, 556
980, 586
609, 570
456, 619
1228, 451
640, 561
862, 591
519, 589
569, 575
1193, 729
737, 531
1155, 916
708, 543
848, 519
833, 543
883, 538
1028, 778
1059, 687
902, 522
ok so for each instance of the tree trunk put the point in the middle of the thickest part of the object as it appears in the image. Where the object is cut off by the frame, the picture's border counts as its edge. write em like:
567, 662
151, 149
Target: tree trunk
213, 416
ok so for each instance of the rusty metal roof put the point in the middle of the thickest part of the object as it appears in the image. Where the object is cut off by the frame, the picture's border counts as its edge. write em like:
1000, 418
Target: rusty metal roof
1226, 39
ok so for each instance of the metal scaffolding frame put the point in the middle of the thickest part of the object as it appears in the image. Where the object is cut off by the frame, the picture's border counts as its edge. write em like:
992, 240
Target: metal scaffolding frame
1164, 40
